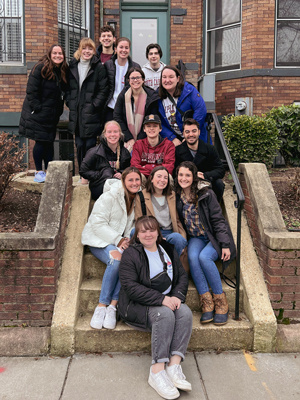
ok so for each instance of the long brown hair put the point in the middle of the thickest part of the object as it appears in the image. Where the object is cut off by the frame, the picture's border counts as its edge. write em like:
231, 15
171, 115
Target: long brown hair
194, 188
128, 197
146, 222
47, 70
149, 185
163, 93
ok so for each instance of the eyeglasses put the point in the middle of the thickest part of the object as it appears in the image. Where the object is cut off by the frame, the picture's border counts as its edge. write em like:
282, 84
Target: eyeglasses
135, 78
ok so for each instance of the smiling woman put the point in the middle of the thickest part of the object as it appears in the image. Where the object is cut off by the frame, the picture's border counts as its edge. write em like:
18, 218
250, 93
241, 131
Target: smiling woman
107, 235
86, 97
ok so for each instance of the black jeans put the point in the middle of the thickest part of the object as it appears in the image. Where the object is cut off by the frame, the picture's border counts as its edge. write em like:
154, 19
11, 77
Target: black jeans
42, 151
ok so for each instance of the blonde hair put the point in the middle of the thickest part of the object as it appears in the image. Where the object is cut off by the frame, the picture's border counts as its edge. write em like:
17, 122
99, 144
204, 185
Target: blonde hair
121, 138
84, 42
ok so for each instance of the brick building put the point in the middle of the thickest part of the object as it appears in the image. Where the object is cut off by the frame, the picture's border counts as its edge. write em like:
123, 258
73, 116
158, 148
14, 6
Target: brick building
251, 48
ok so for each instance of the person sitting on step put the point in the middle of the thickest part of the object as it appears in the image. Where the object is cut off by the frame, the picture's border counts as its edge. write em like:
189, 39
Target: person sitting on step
209, 238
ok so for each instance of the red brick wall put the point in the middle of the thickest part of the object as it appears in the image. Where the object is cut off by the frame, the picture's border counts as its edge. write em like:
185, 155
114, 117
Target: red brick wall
267, 92
281, 269
28, 280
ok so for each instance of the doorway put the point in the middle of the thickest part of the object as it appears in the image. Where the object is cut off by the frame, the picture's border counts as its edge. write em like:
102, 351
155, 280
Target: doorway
143, 28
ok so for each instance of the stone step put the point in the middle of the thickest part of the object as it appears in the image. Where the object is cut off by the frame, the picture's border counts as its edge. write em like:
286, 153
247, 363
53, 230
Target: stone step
235, 335
94, 268
90, 291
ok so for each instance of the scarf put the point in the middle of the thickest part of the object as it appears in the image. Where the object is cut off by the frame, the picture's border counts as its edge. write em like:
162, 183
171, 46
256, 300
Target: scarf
135, 120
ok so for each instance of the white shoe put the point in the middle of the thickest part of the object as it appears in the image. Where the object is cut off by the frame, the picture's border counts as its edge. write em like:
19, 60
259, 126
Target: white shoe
110, 319
178, 378
98, 317
163, 385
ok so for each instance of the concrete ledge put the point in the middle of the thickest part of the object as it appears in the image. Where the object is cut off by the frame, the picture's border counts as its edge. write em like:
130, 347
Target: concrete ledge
256, 301
66, 305
268, 215
24, 341
50, 214
288, 338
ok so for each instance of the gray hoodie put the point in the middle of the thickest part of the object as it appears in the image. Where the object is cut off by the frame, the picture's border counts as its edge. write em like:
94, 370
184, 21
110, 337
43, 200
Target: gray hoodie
152, 78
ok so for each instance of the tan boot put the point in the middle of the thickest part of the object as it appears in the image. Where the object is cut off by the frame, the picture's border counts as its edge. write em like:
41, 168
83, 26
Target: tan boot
207, 304
221, 309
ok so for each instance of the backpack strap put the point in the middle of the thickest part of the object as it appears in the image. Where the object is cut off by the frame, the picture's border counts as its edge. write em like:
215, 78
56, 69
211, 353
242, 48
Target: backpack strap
143, 205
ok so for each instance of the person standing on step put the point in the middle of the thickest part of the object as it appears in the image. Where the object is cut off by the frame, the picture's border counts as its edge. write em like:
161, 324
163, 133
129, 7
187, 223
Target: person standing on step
209, 238
86, 97
152, 69
152, 298
43, 105
107, 234
107, 40
117, 68
203, 155
179, 100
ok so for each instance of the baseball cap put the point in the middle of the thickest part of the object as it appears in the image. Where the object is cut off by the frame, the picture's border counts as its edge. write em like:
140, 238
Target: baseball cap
152, 118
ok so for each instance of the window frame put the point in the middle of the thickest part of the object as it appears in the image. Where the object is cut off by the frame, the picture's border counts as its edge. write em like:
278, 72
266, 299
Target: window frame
21, 31
81, 31
207, 49
277, 20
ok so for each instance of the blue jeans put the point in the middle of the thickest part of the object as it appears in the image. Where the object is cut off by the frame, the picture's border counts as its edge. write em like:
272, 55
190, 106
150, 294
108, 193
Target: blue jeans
110, 283
175, 238
202, 256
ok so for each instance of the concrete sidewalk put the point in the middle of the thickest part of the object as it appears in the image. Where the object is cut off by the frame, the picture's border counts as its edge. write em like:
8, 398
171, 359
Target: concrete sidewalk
226, 376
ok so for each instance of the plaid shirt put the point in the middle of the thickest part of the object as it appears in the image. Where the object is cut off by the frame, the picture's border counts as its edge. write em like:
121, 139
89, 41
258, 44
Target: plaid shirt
191, 218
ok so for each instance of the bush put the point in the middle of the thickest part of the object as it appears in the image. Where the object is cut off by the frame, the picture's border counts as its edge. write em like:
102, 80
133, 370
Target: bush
251, 139
11, 157
287, 119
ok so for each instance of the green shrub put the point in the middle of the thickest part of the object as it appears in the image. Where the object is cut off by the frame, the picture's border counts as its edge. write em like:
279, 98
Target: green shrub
251, 139
287, 119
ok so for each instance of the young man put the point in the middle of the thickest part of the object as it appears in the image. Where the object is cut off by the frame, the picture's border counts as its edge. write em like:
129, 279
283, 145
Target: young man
153, 68
152, 151
107, 41
203, 155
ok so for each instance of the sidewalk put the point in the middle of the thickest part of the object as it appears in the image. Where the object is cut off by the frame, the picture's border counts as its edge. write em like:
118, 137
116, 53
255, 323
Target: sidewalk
226, 376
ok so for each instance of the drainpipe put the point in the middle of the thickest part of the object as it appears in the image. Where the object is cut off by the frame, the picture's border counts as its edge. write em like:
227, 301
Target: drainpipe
101, 14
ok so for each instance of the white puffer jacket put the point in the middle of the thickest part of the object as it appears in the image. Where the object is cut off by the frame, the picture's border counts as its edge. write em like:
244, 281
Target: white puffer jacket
108, 221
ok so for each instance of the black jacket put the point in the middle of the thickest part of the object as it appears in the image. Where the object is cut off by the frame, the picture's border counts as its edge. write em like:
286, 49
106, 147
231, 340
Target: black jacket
206, 160
151, 107
100, 50
96, 167
86, 105
111, 74
136, 294
42, 106
215, 225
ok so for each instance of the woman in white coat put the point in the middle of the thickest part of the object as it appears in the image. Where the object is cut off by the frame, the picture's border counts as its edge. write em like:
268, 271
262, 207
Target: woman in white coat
107, 234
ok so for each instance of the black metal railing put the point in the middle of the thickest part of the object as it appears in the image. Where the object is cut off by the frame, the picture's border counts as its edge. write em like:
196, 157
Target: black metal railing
238, 203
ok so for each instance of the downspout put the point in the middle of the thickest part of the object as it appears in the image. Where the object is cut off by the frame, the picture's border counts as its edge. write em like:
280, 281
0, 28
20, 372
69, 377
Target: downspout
101, 15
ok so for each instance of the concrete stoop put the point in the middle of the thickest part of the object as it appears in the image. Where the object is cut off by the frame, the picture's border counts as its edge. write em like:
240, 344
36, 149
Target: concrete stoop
80, 285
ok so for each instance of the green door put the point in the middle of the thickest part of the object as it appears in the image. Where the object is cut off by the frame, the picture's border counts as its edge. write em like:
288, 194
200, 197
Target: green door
143, 28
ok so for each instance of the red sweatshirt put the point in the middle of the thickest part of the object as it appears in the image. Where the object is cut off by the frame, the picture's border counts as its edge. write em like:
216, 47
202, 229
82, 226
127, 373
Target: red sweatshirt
145, 157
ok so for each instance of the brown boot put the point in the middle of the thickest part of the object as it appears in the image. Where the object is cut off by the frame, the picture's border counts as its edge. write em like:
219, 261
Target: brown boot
208, 307
221, 309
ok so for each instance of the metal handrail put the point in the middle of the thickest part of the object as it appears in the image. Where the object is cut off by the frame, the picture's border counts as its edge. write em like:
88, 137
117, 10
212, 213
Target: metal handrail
239, 203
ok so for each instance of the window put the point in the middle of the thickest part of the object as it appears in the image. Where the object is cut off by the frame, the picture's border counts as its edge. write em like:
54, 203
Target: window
73, 24
223, 35
11, 32
288, 33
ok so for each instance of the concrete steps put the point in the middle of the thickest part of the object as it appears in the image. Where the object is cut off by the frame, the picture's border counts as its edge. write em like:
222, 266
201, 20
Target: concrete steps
234, 335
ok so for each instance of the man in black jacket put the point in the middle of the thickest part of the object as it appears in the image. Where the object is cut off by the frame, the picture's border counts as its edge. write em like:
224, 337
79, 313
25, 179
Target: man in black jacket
203, 155
107, 41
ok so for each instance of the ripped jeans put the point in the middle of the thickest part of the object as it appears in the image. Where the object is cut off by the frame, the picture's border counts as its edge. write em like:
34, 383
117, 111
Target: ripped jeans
110, 283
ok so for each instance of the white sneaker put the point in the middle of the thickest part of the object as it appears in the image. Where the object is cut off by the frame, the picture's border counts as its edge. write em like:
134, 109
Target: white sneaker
163, 385
178, 378
110, 319
98, 317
